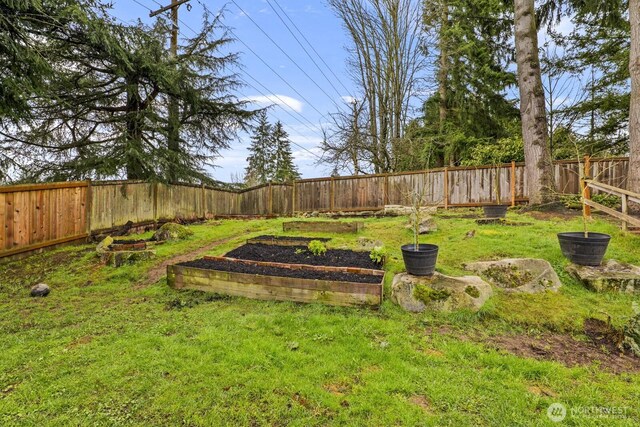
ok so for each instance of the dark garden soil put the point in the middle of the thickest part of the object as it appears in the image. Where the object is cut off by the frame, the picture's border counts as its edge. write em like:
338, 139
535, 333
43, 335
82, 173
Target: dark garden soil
301, 255
601, 346
238, 267
292, 238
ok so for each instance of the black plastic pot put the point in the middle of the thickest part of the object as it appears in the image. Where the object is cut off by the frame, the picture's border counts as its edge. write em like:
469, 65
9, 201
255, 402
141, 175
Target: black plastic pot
421, 262
495, 211
584, 250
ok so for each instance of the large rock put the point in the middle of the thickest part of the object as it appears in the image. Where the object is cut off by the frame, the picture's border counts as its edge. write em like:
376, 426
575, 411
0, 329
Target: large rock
427, 225
120, 258
40, 290
172, 231
610, 276
439, 292
103, 246
399, 210
519, 275
368, 243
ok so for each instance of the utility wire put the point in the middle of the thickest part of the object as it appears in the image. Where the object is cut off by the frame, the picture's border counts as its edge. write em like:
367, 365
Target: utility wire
287, 55
303, 48
265, 88
310, 45
235, 36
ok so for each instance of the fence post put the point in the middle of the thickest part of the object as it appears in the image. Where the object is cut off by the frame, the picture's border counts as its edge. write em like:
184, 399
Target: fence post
386, 189
88, 201
587, 191
625, 210
204, 202
446, 188
155, 202
513, 183
293, 199
332, 194
270, 199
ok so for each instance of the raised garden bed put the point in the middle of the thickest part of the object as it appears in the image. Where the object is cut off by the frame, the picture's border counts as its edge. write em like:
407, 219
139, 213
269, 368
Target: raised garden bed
278, 281
128, 245
324, 226
286, 240
301, 255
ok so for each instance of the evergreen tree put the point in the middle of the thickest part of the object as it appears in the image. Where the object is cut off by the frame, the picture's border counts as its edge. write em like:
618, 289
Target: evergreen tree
285, 170
103, 113
473, 49
261, 161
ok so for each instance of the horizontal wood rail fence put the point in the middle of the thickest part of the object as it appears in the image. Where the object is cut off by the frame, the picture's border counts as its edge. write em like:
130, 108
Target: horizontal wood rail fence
626, 196
39, 215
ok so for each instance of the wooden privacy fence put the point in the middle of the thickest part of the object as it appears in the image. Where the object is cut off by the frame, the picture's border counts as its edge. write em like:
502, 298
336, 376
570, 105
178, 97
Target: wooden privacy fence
39, 215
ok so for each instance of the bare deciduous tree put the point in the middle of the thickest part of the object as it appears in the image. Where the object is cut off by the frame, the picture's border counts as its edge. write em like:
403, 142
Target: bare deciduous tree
386, 62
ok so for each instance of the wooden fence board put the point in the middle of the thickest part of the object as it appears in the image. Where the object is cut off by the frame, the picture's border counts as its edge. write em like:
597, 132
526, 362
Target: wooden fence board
52, 212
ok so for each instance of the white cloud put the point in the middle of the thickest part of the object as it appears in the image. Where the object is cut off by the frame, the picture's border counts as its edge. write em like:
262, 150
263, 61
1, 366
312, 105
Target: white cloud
348, 99
275, 99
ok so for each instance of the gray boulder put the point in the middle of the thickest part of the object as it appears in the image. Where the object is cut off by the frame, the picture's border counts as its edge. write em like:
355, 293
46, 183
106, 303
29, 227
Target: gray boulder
427, 225
40, 290
519, 275
610, 276
439, 292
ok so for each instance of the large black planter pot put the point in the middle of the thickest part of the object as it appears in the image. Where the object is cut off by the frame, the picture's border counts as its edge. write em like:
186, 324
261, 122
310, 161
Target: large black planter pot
495, 211
421, 262
584, 250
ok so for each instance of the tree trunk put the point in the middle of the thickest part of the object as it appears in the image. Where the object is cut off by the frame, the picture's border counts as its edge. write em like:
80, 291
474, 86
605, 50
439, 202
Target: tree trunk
539, 168
633, 180
135, 169
443, 69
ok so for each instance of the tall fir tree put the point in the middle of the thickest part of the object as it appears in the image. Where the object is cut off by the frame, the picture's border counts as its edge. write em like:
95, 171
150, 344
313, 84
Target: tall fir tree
261, 161
285, 169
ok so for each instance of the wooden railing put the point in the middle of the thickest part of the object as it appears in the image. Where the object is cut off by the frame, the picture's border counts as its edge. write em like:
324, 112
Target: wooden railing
626, 196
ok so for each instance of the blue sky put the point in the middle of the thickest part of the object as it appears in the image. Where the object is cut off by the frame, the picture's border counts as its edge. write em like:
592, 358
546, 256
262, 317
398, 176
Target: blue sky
301, 113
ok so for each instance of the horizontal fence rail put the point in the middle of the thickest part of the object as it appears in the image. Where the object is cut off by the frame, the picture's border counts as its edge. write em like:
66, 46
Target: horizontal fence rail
39, 215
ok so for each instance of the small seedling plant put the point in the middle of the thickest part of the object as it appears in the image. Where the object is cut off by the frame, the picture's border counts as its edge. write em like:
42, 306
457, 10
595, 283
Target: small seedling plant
378, 254
317, 248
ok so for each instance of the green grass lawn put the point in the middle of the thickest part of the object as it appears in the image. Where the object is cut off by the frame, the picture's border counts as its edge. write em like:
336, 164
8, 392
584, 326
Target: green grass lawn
102, 349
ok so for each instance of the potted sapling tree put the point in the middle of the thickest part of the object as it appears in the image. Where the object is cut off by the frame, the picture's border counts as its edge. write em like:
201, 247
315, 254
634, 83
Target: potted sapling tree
584, 247
498, 209
419, 258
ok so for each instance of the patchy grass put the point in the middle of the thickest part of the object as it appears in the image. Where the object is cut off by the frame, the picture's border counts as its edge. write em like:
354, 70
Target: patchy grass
101, 350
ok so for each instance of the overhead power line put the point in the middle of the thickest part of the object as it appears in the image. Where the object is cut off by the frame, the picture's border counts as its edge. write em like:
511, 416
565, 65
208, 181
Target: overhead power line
310, 45
286, 54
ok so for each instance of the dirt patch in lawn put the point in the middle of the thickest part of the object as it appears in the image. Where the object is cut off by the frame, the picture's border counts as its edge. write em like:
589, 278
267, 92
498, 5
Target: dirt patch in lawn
301, 255
601, 347
159, 271
265, 270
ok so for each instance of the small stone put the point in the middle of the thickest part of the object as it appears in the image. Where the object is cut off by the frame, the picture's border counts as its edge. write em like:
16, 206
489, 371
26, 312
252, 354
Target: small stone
610, 276
293, 345
368, 243
439, 292
172, 231
40, 290
103, 246
519, 275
